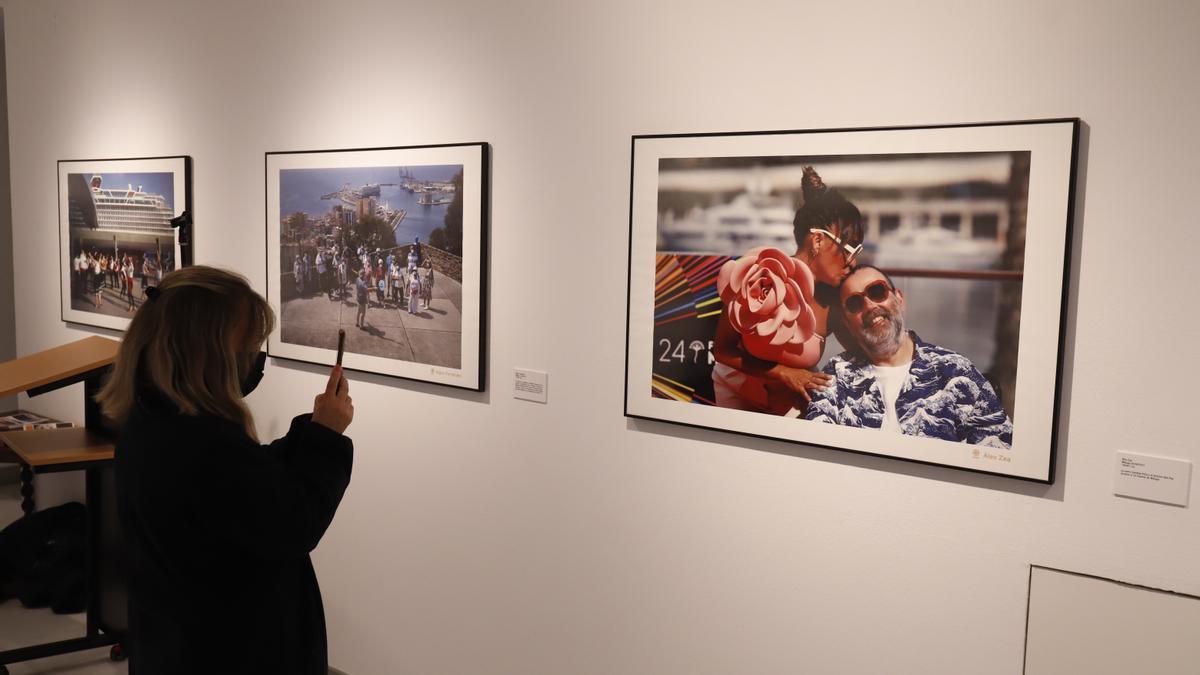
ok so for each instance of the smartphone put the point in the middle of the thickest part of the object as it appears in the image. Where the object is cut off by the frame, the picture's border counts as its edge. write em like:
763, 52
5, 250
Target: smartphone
341, 345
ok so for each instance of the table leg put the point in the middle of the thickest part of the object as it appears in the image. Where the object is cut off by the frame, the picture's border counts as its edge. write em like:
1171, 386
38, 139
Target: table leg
26, 489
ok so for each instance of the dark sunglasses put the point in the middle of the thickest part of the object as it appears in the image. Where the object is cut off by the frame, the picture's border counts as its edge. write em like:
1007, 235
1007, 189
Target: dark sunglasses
877, 292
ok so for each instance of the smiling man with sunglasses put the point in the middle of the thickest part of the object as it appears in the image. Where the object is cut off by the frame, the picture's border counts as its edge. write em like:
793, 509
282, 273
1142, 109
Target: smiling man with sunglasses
892, 380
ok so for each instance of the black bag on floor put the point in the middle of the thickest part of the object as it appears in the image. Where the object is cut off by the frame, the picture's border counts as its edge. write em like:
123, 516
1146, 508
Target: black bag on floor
43, 557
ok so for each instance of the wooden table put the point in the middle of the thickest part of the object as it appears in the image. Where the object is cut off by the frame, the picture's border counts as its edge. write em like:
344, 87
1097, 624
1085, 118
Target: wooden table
56, 447
90, 449
58, 366
79, 361
54, 450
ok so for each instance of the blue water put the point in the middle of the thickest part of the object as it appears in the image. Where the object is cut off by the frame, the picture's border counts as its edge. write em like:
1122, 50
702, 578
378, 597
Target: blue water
301, 190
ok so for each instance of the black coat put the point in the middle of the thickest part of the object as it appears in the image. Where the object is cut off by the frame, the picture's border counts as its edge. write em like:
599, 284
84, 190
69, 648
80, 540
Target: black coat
219, 529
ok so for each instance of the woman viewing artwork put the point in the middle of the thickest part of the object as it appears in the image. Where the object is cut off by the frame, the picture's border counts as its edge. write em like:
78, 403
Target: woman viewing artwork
219, 528
771, 334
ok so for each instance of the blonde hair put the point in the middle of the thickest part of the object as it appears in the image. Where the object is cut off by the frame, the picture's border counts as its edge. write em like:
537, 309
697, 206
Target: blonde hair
194, 339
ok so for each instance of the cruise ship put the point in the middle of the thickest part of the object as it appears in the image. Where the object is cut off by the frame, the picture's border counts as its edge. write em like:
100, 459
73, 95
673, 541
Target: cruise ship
923, 213
433, 199
749, 220
117, 210
119, 220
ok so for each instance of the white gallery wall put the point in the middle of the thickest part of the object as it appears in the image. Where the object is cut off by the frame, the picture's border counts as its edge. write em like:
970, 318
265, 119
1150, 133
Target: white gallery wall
482, 534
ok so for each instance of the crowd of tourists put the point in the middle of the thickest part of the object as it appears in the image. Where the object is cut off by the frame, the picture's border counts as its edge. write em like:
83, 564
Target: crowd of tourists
385, 279
93, 272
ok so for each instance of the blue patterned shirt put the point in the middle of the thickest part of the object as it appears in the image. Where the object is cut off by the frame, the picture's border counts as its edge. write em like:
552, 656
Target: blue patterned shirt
944, 396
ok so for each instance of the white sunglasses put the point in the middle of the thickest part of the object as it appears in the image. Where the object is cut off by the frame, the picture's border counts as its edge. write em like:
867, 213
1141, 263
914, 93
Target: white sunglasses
851, 251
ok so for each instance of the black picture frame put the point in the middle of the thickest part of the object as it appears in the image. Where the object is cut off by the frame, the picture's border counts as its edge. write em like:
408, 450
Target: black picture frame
153, 225
696, 198
395, 341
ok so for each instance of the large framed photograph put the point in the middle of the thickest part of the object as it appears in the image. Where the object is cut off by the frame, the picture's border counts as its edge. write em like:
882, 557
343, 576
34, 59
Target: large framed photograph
891, 291
116, 235
387, 244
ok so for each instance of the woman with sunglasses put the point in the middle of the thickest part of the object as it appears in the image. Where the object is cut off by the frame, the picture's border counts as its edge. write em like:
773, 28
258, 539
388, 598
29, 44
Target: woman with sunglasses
828, 231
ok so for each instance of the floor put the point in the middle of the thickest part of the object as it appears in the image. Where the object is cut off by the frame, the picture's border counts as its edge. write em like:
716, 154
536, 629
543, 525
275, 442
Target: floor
21, 627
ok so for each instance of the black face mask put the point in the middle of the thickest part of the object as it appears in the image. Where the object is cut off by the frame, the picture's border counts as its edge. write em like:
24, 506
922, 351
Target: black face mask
255, 374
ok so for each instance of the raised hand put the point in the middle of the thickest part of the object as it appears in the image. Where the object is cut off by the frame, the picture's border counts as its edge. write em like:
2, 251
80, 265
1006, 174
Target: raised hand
334, 408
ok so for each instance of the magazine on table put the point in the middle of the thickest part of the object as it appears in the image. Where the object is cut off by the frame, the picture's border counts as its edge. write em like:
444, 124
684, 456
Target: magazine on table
23, 420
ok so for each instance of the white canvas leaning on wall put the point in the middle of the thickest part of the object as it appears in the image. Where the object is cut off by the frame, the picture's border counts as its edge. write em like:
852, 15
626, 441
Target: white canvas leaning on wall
387, 244
1080, 623
967, 229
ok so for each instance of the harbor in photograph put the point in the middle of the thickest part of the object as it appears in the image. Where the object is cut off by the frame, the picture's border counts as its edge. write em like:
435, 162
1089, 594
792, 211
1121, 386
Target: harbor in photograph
376, 251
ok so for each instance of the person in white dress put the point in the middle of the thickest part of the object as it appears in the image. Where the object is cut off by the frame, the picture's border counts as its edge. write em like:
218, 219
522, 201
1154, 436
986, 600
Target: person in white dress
414, 292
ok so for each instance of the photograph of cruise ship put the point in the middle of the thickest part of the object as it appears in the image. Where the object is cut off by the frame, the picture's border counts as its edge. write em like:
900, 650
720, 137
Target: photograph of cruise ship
117, 239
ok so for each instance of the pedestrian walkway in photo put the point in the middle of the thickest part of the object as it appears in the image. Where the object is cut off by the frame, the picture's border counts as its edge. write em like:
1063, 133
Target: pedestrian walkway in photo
112, 303
432, 336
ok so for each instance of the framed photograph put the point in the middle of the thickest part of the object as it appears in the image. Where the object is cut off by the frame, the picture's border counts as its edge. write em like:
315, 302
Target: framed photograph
388, 245
115, 233
891, 291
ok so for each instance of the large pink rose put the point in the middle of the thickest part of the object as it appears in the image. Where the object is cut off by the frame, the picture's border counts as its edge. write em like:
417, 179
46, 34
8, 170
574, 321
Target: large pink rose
768, 298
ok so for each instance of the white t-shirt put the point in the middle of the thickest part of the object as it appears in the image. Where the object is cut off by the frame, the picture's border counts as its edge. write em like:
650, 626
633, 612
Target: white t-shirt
891, 381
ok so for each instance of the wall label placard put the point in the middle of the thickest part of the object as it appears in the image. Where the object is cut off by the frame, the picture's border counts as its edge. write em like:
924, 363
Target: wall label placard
1157, 479
529, 385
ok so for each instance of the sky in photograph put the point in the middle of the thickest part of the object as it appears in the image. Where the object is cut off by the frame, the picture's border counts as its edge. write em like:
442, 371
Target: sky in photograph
162, 183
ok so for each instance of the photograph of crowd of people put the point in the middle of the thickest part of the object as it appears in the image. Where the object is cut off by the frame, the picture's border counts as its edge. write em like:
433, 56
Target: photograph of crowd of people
117, 241
377, 251
123, 274
879, 292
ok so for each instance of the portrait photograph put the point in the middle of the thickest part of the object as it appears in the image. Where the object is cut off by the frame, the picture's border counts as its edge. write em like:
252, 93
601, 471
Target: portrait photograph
115, 234
384, 244
894, 291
